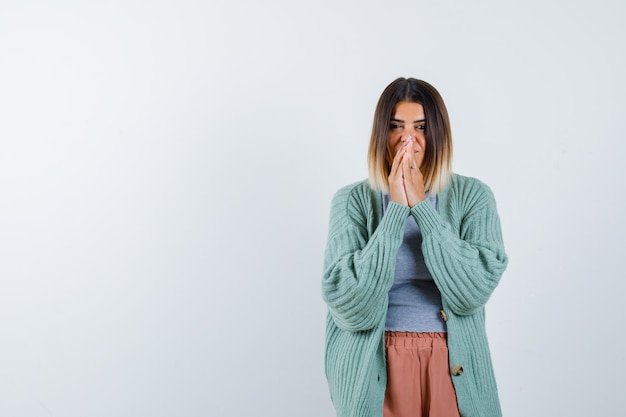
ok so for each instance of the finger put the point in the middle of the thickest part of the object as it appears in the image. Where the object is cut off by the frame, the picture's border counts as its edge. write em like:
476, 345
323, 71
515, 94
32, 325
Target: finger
406, 164
409, 146
409, 160
414, 175
397, 163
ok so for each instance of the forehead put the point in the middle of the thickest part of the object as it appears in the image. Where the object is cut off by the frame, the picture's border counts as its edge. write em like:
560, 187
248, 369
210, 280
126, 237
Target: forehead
408, 110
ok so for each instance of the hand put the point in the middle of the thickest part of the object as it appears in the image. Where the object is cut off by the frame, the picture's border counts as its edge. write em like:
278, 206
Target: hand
397, 192
406, 183
412, 176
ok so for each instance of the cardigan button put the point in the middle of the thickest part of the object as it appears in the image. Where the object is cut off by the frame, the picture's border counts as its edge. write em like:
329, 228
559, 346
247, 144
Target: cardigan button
444, 316
457, 370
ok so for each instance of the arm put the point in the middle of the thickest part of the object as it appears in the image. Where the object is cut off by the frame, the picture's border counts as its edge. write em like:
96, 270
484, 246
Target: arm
359, 270
467, 263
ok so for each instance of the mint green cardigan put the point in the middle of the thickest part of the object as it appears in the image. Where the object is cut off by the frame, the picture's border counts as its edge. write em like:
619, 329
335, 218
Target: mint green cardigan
464, 252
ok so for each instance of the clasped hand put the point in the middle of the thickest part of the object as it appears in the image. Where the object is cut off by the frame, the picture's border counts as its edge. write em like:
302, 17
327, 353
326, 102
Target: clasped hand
406, 184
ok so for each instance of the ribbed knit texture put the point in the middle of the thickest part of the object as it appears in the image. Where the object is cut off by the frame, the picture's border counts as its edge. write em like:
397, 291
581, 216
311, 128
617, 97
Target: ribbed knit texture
463, 250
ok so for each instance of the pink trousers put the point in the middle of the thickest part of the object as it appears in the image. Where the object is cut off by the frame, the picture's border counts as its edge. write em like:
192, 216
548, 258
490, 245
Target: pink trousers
418, 376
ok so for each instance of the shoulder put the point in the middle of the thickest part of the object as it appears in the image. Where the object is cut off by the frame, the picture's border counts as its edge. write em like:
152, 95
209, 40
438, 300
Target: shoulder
462, 182
468, 191
354, 202
467, 185
353, 193
358, 187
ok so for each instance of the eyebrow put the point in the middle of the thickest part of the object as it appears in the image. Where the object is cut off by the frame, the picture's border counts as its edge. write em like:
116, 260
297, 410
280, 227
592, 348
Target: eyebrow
393, 119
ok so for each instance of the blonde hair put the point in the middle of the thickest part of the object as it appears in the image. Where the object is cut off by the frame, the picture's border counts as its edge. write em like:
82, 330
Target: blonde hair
437, 165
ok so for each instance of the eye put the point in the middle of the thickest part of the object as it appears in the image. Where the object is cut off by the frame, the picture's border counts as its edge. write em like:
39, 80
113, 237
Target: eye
394, 126
421, 127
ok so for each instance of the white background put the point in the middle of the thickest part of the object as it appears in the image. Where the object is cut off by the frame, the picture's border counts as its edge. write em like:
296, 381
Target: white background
166, 170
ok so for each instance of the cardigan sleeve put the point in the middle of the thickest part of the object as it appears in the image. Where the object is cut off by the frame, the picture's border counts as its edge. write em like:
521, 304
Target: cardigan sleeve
358, 267
466, 263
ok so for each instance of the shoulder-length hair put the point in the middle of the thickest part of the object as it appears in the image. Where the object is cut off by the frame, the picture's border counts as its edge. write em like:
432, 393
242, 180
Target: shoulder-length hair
437, 164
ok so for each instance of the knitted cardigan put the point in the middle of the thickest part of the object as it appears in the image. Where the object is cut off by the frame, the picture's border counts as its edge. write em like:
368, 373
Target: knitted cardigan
463, 250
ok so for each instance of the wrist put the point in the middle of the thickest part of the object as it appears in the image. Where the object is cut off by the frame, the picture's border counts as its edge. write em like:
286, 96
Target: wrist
417, 200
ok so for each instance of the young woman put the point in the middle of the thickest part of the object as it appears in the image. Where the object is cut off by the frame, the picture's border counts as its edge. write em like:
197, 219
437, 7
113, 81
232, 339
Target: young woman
413, 255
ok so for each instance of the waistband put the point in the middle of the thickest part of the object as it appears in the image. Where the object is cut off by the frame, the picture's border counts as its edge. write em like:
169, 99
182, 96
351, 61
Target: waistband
413, 339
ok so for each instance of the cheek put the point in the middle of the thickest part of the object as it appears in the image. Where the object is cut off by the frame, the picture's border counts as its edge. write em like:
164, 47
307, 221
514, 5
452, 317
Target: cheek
422, 145
392, 146
422, 154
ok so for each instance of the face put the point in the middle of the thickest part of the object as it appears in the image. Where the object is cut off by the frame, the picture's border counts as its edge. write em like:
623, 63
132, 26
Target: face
407, 123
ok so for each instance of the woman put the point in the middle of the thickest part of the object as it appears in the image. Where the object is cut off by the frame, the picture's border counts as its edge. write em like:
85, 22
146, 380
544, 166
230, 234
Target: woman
413, 255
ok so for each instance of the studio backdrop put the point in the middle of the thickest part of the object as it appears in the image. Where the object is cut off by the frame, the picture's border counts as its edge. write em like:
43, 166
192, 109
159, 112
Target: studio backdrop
166, 172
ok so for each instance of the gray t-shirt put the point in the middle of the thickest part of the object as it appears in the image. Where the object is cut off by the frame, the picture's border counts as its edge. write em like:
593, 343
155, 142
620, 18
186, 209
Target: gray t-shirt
414, 299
